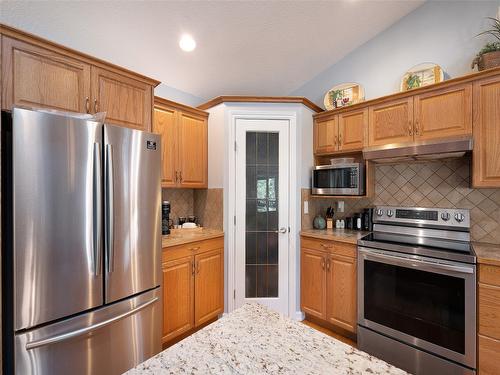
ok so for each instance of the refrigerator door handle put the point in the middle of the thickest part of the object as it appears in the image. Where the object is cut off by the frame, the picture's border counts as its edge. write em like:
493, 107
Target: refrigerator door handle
68, 335
109, 208
97, 206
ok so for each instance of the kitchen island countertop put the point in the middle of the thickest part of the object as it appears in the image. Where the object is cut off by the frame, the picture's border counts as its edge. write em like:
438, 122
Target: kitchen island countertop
255, 340
342, 235
184, 236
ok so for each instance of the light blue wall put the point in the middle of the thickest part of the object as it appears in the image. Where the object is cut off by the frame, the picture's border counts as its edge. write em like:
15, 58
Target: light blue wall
179, 96
442, 32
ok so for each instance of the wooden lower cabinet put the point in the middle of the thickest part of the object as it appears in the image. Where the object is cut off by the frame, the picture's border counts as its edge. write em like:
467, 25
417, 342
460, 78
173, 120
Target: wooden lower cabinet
341, 287
488, 320
178, 297
328, 282
193, 286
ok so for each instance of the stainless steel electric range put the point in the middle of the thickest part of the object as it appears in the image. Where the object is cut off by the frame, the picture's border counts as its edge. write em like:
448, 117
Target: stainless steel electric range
417, 290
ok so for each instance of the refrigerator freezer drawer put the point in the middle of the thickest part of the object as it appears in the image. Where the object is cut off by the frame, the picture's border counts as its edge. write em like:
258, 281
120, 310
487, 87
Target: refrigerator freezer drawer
108, 341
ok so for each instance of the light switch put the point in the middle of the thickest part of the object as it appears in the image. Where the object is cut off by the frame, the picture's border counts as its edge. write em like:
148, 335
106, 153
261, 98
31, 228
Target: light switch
340, 206
306, 207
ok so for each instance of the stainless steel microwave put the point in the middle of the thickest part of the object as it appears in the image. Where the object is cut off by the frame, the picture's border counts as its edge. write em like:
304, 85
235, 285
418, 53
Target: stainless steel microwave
339, 179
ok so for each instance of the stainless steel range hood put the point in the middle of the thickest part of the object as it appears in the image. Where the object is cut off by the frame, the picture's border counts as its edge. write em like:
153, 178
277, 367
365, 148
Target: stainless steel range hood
419, 151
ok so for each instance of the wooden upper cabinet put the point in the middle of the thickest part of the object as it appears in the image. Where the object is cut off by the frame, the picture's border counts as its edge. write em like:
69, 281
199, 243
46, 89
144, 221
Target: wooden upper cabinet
209, 285
165, 124
192, 151
178, 297
126, 101
391, 122
443, 113
36, 77
313, 282
352, 127
325, 136
486, 153
341, 285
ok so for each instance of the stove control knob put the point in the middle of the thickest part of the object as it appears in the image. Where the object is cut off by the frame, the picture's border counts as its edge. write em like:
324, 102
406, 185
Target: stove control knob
380, 212
390, 213
445, 216
459, 217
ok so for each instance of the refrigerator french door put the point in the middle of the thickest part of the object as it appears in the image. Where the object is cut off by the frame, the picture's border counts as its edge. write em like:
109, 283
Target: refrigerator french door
81, 245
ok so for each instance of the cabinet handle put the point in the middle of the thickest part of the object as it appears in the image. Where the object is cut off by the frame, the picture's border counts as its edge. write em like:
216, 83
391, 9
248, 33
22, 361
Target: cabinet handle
192, 268
326, 246
335, 141
197, 266
96, 106
340, 139
328, 265
176, 176
180, 177
410, 130
87, 104
417, 130
194, 248
323, 263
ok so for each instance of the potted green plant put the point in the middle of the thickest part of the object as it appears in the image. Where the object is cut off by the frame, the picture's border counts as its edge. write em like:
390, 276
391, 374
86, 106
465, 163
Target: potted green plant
489, 56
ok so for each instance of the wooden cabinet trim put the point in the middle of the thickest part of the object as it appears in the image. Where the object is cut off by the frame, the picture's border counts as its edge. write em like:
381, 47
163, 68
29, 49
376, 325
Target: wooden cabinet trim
260, 99
166, 104
489, 274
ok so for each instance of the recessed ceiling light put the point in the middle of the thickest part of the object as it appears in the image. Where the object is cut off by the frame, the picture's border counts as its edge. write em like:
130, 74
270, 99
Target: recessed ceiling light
187, 43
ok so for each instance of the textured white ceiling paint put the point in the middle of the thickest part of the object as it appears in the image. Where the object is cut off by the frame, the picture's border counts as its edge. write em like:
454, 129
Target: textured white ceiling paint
244, 47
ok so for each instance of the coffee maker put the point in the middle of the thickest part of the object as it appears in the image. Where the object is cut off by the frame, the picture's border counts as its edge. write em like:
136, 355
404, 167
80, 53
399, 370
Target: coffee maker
165, 218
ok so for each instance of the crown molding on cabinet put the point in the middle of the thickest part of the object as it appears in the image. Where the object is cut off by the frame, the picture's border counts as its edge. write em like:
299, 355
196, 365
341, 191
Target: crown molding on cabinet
259, 99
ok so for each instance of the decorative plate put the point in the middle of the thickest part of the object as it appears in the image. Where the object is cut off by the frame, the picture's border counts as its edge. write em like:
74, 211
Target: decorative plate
421, 75
344, 94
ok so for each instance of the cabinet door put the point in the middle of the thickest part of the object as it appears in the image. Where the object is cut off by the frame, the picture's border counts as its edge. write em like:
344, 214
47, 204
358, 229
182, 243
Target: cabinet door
165, 124
488, 362
326, 136
391, 122
178, 297
313, 282
352, 129
341, 292
486, 153
209, 286
126, 101
35, 77
192, 151
444, 113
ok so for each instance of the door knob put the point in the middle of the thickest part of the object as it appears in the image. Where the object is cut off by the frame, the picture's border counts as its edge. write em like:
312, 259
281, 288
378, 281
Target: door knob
282, 230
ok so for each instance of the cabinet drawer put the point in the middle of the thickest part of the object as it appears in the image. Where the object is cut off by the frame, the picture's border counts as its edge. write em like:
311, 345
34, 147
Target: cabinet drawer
489, 310
193, 248
488, 363
333, 247
489, 274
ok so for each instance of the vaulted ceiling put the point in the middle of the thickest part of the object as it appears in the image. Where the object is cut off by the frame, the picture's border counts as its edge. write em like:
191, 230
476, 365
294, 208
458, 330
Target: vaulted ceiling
243, 47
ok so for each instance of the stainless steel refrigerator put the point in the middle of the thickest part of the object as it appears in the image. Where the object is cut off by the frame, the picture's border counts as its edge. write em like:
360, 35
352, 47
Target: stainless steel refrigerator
81, 245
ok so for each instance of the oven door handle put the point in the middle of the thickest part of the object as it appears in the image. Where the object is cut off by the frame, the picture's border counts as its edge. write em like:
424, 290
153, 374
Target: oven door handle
416, 263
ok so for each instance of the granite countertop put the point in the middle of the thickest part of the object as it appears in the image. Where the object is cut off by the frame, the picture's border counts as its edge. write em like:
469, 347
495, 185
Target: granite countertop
256, 340
183, 236
341, 235
487, 253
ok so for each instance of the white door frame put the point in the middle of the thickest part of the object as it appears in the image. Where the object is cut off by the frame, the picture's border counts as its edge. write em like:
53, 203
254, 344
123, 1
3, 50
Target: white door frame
230, 183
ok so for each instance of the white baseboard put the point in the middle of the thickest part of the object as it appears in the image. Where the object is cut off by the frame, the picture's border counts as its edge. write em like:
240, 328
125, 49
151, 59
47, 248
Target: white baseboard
299, 316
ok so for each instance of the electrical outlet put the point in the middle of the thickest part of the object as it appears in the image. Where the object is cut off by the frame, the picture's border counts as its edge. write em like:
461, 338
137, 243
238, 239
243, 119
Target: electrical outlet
340, 206
306, 207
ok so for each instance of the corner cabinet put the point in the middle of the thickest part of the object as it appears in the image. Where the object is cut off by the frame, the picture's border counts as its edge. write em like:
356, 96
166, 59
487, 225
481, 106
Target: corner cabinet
193, 286
486, 153
328, 282
184, 132
41, 74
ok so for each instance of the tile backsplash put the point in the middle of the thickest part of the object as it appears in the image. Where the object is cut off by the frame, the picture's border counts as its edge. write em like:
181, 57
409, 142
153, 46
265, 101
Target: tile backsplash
206, 204
429, 184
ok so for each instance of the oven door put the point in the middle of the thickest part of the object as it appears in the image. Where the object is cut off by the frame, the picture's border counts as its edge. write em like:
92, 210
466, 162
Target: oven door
345, 179
420, 301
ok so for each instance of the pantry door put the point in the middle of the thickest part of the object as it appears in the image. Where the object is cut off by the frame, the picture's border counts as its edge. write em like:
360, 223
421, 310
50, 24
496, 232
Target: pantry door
261, 220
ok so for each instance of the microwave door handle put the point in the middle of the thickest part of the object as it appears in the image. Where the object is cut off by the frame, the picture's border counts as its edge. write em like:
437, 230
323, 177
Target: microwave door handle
414, 263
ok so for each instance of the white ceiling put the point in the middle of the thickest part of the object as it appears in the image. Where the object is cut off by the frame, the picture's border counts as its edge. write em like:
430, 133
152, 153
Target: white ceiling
244, 47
